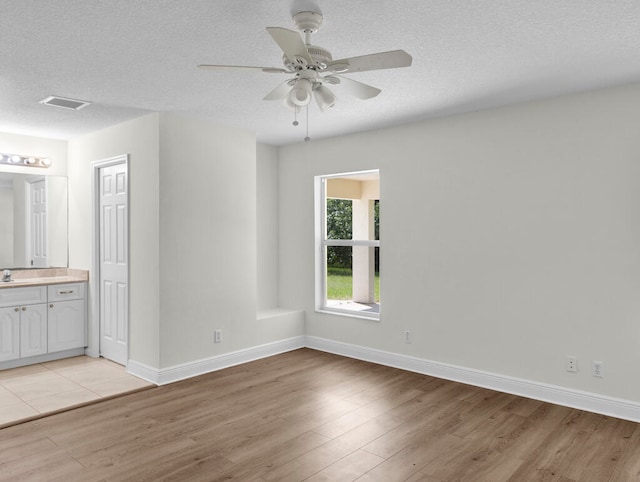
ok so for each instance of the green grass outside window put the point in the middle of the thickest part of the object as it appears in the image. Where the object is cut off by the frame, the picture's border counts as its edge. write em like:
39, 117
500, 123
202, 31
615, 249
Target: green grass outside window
340, 284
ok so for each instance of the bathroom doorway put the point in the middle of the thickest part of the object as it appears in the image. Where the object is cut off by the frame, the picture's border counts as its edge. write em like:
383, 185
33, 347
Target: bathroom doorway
111, 258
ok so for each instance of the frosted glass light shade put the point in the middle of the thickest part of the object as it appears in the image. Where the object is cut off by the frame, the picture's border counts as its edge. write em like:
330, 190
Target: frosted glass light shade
324, 97
301, 92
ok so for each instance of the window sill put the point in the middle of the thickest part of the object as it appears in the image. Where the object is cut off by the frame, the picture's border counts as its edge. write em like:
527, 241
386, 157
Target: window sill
353, 311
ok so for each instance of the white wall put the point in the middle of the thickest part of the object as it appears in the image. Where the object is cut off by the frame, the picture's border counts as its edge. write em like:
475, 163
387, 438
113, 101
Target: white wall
267, 225
207, 238
509, 238
140, 139
193, 235
218, 242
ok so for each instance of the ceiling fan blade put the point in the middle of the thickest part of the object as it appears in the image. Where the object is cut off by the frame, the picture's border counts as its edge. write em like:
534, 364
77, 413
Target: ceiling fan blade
355, 88
271, 70
291, 44
379, 61
279, 92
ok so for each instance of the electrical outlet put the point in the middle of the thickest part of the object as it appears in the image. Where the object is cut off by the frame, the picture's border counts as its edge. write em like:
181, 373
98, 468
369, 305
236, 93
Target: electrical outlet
217, 336
407, 336
597, 369
572, 364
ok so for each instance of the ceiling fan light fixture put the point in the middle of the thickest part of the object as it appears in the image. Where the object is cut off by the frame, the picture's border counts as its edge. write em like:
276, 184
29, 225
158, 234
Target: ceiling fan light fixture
300, 94
324, 97
291, 106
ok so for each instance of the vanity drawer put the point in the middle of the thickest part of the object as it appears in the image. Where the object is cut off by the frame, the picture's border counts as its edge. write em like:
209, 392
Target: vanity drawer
30, 295
67, 291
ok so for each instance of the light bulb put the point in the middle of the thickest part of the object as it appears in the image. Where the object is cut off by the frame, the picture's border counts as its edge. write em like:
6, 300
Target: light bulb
301, 92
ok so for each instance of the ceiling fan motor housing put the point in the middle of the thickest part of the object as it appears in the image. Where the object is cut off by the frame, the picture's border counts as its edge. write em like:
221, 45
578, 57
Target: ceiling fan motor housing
321, 57
308, 21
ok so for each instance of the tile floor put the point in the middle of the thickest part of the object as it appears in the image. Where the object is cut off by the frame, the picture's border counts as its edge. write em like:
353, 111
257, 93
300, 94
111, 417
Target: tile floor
34, 390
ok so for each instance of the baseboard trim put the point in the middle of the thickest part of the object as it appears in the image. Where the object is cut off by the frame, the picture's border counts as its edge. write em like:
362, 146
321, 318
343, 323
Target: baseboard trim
590, 402
207, 365
143, 371
32, 360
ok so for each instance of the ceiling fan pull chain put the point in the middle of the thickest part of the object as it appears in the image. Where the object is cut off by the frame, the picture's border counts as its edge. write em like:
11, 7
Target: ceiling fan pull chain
307, 138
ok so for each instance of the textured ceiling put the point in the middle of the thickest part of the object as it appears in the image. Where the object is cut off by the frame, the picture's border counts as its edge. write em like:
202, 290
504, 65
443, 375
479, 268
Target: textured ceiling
130, 57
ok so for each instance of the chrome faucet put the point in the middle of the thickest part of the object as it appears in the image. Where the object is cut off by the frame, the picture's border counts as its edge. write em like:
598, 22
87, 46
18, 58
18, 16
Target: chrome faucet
6, 275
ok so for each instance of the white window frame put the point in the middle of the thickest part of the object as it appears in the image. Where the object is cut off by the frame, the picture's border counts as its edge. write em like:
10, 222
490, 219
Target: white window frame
321, 243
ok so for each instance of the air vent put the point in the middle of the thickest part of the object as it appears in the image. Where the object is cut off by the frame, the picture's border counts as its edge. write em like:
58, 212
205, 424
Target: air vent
65, 103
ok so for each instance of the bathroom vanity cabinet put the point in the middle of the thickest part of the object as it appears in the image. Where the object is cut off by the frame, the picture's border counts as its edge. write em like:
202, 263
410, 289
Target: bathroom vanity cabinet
39, 323
66, 317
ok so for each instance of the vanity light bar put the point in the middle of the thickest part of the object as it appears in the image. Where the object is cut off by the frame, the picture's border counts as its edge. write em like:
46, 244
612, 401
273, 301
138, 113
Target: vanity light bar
20, 160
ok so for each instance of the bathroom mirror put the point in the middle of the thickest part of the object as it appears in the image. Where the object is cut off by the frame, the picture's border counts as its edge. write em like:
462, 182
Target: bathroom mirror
33, 221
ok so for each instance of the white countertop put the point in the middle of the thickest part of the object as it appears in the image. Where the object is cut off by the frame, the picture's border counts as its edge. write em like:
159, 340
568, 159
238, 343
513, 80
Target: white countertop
46, 276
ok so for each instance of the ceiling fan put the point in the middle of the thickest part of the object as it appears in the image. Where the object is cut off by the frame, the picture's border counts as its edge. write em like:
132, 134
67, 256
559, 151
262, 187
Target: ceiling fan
312, 68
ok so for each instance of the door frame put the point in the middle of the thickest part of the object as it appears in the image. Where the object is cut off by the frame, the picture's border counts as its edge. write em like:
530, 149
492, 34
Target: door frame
93, 345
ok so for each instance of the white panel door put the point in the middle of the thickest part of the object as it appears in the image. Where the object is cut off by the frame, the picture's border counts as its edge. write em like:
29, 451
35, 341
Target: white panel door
113, 225
37, 238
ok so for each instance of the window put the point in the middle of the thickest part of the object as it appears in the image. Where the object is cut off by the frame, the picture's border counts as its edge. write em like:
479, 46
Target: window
348, 244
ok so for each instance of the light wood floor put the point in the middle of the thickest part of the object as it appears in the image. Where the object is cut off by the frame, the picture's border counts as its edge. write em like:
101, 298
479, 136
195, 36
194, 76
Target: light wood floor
307, 415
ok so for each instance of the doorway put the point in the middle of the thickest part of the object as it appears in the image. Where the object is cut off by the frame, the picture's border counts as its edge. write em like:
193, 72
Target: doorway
111, 259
